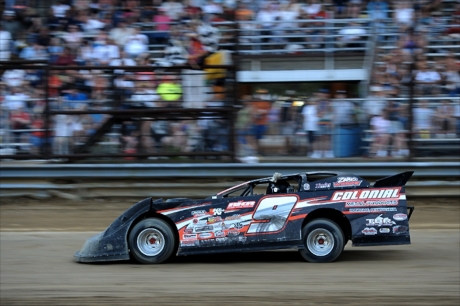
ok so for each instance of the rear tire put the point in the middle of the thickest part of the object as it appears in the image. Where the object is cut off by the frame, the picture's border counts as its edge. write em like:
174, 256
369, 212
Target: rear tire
323, 240
151, 241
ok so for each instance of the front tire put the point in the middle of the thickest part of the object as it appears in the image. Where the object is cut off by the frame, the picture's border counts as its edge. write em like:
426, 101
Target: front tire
323, 240
151, 241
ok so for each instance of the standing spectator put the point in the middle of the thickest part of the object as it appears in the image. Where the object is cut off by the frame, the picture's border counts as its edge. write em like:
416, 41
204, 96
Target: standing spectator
19, 121
261, 109
245, 139
423, 119
444, 120
378, 13
310, 113
63, 131
354, 32
5, 44
381, 127
266, 18
344, 111
397, 132
374, 103
325, 117
10, 24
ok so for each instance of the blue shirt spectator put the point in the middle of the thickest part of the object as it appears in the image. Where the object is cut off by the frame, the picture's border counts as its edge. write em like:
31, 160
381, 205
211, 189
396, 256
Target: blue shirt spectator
75, 99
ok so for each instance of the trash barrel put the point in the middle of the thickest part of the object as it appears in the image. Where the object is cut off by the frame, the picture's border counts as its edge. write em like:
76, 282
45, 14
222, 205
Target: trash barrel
346, 141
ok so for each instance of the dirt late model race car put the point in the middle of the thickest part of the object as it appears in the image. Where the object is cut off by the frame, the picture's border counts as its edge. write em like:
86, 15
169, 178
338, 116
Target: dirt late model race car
314, 212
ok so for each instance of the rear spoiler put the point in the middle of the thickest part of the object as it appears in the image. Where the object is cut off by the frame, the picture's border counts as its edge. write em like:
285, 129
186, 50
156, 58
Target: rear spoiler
399, 179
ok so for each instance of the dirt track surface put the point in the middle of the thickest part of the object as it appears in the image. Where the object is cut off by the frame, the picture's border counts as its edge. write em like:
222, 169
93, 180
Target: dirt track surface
38, 239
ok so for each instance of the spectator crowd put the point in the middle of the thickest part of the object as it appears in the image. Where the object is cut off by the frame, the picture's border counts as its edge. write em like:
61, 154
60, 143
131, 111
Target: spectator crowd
121, 34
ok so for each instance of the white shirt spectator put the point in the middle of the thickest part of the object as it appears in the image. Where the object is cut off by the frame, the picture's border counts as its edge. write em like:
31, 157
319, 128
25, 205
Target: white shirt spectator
145, 98
121, 35
381, 125
63, 126
423, 118
92, 25
14, 78
122, 62
5, 45
428, 76
374, 105
15, 101
104, 53
352, 33
212, 8
136, 44
312, 9
59, 10
173, 9
266, 18
404, 15
310, 122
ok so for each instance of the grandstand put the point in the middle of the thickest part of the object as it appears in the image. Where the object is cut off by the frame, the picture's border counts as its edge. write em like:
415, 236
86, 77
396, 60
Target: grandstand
131, 79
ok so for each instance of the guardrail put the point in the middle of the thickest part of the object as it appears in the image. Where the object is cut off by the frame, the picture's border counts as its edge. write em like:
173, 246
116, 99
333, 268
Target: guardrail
423, 170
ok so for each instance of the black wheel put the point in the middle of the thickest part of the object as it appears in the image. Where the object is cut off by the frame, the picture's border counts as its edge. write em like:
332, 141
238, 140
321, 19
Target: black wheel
151, 241
323, 240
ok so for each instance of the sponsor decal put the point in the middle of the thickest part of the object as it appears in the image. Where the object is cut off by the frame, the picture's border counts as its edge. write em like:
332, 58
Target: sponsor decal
347, 181
188, 230
189, 237
233, 233
214, 219
372, 203
205, 235
400, 217
363, 194
384, 230
369, 231
306, 186
323, 185
219, 234
233, 217
205, 228
372, 210
237, 225
187, 244
199, 212
197, 221
240, 205
242, 238
379, 221
221, 240
400, 229
217, 211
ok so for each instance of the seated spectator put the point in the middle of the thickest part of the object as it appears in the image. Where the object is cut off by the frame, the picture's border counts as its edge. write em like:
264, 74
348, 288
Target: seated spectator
312, 8
90, 23
105, 51
212, 7
453, 28
73, 38
162, 25
444, 120
423, 119
265, 19
136, 44
60, 9
123, 60
354, 32
85, 53
452, 77
428, 80
34, 52
144, 96
378, 13
65, 58
381, 128
17, 99
173, 8
75, 99
404, 14
121, 33
457, 117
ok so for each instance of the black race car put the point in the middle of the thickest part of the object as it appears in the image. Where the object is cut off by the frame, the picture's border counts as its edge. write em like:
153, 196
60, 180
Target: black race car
314, 212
